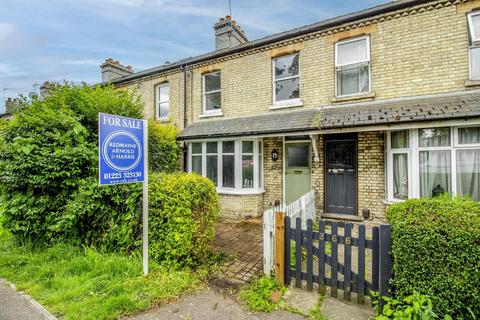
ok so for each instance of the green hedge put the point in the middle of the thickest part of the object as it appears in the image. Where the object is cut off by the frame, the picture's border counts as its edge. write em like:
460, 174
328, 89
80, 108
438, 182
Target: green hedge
436, 251
183, 211
162, 147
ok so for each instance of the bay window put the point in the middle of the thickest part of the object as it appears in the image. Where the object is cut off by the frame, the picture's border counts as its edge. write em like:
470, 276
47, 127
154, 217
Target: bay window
429, 161
352, 66
234, 166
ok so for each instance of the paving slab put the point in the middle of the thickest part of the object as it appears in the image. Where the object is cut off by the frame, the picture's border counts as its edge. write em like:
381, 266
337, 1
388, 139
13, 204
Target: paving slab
336, 309
210, 305
18, 306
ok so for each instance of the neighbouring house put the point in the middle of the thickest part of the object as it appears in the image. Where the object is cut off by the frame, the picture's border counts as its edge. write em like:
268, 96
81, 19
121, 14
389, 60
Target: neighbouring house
11, 105
366, 109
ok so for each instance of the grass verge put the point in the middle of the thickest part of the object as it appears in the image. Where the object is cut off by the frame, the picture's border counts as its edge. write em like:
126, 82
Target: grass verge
262, 295
77, 283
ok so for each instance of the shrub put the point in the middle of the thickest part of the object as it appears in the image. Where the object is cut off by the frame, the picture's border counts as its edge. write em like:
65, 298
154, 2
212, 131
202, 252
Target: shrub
107, 217
162, 147
415, 306
258, 295
183, 211
436, 251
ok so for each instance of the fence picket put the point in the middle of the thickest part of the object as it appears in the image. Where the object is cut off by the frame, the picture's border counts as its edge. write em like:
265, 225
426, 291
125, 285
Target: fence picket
347, 288
321, 257
386, 260
309, 245
361, 265
298, 252
287, 250
375, 259
334, 257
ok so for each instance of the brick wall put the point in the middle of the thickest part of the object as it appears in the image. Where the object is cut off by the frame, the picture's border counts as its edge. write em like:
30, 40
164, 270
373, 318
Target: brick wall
273, 171
241, 206
371, 174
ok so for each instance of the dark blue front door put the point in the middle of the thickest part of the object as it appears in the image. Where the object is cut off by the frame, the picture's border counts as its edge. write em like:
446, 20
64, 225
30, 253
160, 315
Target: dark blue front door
340, 175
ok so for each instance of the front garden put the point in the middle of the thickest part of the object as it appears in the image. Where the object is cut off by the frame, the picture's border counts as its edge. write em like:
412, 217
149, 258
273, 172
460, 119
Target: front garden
76, 246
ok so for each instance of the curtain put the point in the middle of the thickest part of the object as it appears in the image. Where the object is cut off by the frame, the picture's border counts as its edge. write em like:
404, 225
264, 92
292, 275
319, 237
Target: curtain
434, 172
352, 81
468, 173
400, 176
352, 52
435, 137
469, 135
400, 139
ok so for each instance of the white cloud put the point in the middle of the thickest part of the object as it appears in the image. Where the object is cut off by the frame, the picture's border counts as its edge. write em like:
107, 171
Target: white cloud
7, 31
87, 62
7, 70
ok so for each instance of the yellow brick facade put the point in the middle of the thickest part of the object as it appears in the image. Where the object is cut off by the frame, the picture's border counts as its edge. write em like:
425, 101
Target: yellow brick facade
416, 51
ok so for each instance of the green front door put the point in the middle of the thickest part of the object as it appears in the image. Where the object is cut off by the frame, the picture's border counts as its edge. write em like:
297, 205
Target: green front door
297, 171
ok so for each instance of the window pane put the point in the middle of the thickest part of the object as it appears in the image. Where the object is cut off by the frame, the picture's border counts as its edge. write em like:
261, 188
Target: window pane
163, 93
212, 81
298, 156
468, 173
260, 171
163, 109
399, 139
212, 147
475, 63
352, 81
469, 135
352, 52
197, 164
228, 166
435, 176
286, 67
212, 168
476, 26
213, 101
247, 146
228, 147
400, 176
247, 171
287, 89
197, 148
434, 137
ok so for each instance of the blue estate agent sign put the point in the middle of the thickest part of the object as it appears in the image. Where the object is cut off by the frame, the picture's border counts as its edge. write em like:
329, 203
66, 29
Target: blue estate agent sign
121, 149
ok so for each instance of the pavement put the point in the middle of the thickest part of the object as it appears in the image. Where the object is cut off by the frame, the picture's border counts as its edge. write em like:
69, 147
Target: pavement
210, 305
18, 306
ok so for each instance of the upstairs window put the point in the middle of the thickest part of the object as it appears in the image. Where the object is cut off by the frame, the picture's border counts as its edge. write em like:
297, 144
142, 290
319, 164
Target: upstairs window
163, 102
352, 66
474, 44
212, 93
286, 79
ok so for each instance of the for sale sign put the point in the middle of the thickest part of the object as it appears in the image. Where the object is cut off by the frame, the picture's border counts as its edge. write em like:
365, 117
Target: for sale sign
121, 149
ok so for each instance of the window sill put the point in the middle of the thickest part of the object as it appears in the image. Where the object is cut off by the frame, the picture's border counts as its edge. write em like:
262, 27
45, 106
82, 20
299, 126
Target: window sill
284, 105
167, 119
392, 201
472, 83
211, 115
336, 216
240, 192
360, 96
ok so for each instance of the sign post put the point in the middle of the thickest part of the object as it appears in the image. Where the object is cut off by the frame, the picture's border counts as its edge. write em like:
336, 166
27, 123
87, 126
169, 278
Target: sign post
123, 158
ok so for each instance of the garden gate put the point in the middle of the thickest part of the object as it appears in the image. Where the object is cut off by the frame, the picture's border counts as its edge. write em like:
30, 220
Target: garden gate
342, 256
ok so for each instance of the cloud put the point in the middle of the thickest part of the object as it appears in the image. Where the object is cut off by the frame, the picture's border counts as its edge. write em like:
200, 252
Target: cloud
7, 70
86, 62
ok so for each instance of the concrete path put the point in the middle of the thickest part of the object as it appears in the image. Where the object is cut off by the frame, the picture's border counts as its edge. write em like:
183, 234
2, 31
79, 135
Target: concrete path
210, 305
17, 306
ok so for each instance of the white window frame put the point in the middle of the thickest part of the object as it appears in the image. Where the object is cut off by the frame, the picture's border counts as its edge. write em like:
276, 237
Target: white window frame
204, 95
159, 101
286, 102
353, 65
413, 160
474, 44
238, 189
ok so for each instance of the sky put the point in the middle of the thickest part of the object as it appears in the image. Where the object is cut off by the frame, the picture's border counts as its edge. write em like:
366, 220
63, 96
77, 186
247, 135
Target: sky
55, 40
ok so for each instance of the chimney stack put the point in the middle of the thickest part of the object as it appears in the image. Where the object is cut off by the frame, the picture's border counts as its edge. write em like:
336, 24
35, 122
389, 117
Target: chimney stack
112, 69
11, 105
228, 33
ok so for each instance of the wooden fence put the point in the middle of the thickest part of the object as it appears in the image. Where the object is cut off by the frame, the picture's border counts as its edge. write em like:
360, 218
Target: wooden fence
304, 207
334, 255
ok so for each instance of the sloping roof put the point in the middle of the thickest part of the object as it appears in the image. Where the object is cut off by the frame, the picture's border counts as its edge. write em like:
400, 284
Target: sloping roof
379, 9
456, 105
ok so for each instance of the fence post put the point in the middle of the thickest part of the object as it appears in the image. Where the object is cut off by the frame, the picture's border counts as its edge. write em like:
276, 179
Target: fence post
280, 247
268, 242
385, 260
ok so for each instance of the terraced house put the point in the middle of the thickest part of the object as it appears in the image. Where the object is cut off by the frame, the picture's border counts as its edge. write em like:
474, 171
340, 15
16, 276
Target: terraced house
366, 109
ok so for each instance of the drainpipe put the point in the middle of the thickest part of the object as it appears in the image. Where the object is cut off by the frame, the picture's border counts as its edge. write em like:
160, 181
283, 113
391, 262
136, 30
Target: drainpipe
313, 137
185, 122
